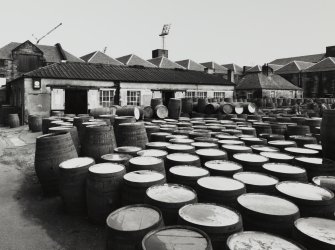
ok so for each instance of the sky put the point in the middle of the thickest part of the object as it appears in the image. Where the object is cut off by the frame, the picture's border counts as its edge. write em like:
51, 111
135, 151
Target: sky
245, 32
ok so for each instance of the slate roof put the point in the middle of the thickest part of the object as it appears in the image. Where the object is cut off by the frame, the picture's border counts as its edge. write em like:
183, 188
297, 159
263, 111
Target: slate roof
131, 60
216, 67
327, 64
164, 62
234, 67
275, 67
309, 58
254, 69
103, 72
294, 67
191, 65
50, 52
99, 57
261, 81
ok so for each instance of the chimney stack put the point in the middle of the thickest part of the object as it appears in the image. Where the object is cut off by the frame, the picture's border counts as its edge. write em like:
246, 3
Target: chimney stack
266, 70
160, 53
230, 75
330, 51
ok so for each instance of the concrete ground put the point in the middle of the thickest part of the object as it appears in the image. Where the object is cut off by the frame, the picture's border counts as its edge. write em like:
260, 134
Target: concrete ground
28, 220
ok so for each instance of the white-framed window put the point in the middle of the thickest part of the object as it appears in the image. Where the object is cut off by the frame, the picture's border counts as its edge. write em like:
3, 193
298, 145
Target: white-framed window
190, 94
106, 97
202, 94
272, 94
219, 94
133, 97
249, 95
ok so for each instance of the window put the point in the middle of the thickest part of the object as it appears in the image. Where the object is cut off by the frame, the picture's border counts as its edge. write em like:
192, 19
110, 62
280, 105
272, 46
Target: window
202, 94
133, 98
249, 95
198, 94
190, 94
272, 94
2, 62
106, 97
220, 94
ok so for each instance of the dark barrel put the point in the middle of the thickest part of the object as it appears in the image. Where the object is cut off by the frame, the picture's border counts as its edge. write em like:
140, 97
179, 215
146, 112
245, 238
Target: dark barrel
128, 150
122, 159
174, 108
13, 120
256, 182
186, 105
186, 175
250, 162
316, 166
282, 144
161, 154
285, 172
234, 149
325, 182
73, 132
328, 134
278, 157
210, 154
132, 134
181, 159
157, 145
147, 163
223, 168
129, 111
35, 123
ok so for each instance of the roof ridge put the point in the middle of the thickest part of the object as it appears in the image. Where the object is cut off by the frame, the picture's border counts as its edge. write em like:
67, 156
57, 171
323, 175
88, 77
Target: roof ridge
92, 56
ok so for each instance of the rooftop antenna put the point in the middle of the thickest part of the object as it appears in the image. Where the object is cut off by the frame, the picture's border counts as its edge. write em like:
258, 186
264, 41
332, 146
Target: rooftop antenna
38, 40
165, 32
105, 49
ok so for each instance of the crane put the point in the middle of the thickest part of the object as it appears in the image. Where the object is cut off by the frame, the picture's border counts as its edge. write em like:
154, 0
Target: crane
38, 40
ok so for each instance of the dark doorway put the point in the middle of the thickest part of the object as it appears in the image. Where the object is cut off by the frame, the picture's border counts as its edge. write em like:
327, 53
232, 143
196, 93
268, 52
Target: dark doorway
76, 101
166, 96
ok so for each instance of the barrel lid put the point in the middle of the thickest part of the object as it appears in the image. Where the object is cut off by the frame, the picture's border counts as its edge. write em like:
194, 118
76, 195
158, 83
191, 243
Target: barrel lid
283, 168
176, 137
145, 160
226, 137
181, 141
304, 191
317, 147
133, 218
175, 238
264, 148
310, 160
277, 155
142, 176
281, 143
76, 163
127, 149
161, 133
106, 168
61, 128
250, 157
210, 215
325, 181
251, 139
252, 240
203, 144
189, 171
158, 144
231, 142
171, 193
152, 152
116, 157
236, 147
318, 228
255, 178
297, 150
182, 157
267, 204
220, 183
210, 152
179, 147
223, 165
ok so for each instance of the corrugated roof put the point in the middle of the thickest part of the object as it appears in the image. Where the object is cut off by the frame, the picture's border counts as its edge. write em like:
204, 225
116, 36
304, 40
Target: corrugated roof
217, 68
294, 67
50, 53
327, 64
99, 57
191, 65
131, 60
261, 81
103, 72
254, 69
234, 67
309, 58
275, 67
164, 62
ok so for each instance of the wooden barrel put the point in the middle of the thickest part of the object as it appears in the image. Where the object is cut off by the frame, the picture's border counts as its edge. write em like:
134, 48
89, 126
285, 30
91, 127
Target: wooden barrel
51, 150
248, 107
155, 102
226, 108
118, 121
181, 159
234, 149
127, 226
248, 131
159, 136
73, 132
186, 105
177, 237
297, 130
180, 148
161, 112
282, 144
263, 148
315, 233
98, 141
147, 163
211, 108
169, 198
217, 221
151, 129
103, 189
312, 200
136, 183
250, 162
204, 145
250, 141
301, 140
256, 182
13, 120
260, 240
148, 112
46, 124
278, 128
263, 128
174, 108
132, 134
278, 157
133, 111
295, 151
285, 172
261, 211
122, 159
223, 168
108, 118
186, 175
5, 111
72, 183
272, 137
58, 113
128, 150
35, 123
157, 145
328, 134
202, 102
210, 154
181, 141
325, 182
316, 166
161, 154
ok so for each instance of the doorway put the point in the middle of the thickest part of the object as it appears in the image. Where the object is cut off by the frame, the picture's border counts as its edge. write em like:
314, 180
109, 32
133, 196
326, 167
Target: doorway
76, 101
166, 96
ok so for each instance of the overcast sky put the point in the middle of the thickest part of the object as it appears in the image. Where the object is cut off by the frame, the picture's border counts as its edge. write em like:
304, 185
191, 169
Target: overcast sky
245, 32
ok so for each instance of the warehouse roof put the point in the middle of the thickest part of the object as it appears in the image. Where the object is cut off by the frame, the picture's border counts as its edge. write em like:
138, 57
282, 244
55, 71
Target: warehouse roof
50, 52
99, 57
164, 62
294, 67
131, 60
275, 67
234, 67
103, 72
262, 81
309, 58
191, 65
216, 67
327, 64
254, 69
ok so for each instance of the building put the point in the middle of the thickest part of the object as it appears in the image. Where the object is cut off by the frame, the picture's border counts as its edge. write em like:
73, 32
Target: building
215, 68
164, 62
191, 65
264, 84
236, 71
134, 60
99, 57
79, 87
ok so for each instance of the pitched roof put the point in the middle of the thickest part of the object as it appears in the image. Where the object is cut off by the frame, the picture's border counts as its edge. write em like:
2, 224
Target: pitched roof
327, 64
191, 65
254, 69
234, 67
104, 72
261, 81
164, 62
274, 67
294, 67
216, 67
131, 60
309, 58
99, 57
50, 53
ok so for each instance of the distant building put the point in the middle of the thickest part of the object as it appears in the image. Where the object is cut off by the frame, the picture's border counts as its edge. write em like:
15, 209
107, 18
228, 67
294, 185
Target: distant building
165, 63
134, 60
99, 57
237, 71
215, 68
191, 65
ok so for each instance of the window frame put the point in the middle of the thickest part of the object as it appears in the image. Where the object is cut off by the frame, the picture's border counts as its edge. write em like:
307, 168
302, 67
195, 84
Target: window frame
106, 97
215, 94
131, 99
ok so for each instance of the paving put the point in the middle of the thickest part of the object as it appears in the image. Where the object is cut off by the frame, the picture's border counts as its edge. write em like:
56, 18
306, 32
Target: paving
28, 219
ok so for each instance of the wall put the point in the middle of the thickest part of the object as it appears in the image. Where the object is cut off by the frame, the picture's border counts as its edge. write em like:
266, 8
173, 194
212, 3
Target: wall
267, 93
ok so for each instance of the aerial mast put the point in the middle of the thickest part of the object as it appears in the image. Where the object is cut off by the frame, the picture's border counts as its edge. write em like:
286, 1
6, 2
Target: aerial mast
165, 32
38, 40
